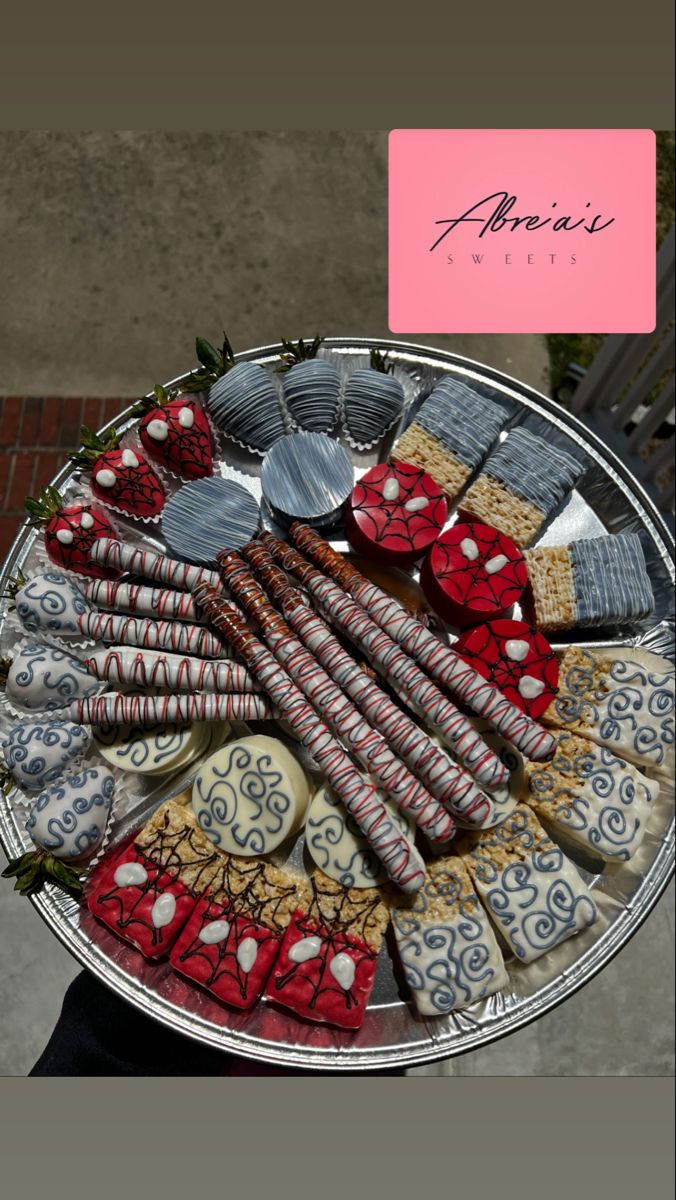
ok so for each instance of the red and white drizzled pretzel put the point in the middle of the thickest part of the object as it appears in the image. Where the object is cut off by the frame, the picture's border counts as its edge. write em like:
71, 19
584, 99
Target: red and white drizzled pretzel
151, 565
368, 746
152, 635
449, 784
139, 598
441, 661
400, 859
114, 709
410, 683
152, 670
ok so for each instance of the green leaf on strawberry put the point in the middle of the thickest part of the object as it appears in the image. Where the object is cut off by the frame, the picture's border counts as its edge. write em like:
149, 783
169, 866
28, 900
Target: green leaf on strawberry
32, 870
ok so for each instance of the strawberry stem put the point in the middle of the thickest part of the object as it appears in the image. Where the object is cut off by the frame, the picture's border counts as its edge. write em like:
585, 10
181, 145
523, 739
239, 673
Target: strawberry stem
93, 446
296, 352
32, 870
379, 362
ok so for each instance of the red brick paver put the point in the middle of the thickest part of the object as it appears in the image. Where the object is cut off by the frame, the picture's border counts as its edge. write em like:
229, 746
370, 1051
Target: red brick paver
37, 433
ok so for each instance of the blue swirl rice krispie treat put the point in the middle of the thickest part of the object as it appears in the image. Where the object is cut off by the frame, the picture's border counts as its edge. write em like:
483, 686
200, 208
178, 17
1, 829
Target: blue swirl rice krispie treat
446, 944
534, 894
451, 435
523, 482
596, 799
598, 581
623, 700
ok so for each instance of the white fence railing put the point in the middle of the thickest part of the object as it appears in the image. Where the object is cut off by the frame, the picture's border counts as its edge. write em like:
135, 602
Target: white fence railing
626, 372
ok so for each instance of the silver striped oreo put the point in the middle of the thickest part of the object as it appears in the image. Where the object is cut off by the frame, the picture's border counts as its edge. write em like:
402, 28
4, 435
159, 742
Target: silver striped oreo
307, 476
245, 405
207, 516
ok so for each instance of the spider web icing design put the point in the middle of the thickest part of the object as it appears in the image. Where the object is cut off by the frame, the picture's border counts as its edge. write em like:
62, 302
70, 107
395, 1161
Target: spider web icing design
486, 648
471, 581
386, 520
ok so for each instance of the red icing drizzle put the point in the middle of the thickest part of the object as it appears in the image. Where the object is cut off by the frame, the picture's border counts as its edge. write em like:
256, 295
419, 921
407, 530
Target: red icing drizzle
460, 587
384, 528
484, 648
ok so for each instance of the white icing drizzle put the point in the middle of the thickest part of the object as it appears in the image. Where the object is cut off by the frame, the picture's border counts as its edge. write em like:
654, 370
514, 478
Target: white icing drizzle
516, 649
469, 548
496, 563
130, 873
247, 953
530, 687
163, 910
306, 948
106, 478
416, 503
391, 489
342, 968
129, 459
65, 536
86, 521
186, 418
158, 430
214, 932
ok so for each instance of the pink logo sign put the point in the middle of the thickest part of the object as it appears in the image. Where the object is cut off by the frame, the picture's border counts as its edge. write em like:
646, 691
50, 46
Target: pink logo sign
522, 231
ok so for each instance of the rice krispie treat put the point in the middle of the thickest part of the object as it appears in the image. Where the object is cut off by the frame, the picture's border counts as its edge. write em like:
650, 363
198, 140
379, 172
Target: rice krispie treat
623, 700
446, 943
597, 581
146, 892
233, 936
522, 483
451, 435
327, 961
595, 798
533, 893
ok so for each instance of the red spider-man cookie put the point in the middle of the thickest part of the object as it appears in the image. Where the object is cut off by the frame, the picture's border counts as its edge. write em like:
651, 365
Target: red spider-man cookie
517, 659
395, 513
473, 573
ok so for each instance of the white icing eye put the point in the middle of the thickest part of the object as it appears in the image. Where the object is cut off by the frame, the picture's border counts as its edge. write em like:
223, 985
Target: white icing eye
106, 478
469, 548
342, 968
129, 459
215, 931
416, 503
247, 953
306, 948
130, 873
186, 418
496, 564
516, 649
391, 489
163, 910
530, 688
86, 520
158, 430
65, 536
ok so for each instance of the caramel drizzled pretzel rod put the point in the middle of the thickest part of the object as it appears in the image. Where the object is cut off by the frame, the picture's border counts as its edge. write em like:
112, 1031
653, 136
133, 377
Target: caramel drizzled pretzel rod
148, 564
138, 668
443, 663
369, 747
414, 687
115, 709
447, 782
151, 635
400, 859
141, 599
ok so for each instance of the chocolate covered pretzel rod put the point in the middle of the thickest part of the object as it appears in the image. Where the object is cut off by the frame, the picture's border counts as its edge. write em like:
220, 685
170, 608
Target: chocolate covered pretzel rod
404, 675
449, 784
439, 660
151, 635
138, 598
151, 670
400, 859
368, 746
150, 565
115, 709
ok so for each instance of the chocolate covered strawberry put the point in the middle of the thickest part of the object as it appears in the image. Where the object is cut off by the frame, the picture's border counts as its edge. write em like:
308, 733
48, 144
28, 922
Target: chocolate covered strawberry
69, 532
176, 433
120, 477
